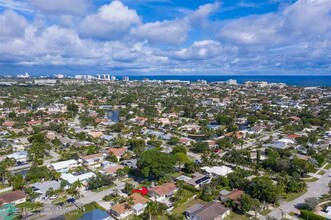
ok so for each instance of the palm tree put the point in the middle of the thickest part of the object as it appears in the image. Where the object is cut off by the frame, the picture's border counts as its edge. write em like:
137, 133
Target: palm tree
116, 191
130, 202
3, 173
78, 185
151, 209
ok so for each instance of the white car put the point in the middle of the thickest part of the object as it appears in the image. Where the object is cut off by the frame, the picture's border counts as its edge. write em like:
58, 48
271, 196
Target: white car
54, 196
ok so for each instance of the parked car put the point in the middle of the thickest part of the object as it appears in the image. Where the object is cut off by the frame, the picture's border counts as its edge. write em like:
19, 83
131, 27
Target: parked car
54, 196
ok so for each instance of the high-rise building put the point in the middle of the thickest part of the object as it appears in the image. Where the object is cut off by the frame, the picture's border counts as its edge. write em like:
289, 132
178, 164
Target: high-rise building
231, 82
24, 76
126, 78
59, 76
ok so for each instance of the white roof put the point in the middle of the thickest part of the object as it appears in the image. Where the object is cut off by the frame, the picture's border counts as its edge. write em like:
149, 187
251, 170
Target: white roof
18, 155
63, 164
71, 178
286, 140
218, 170
138, 206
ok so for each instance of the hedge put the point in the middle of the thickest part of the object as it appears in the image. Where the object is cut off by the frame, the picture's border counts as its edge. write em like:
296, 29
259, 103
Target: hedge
190, 188
308, 215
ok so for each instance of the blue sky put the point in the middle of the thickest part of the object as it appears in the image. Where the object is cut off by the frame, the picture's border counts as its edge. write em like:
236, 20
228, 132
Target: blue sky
165, 37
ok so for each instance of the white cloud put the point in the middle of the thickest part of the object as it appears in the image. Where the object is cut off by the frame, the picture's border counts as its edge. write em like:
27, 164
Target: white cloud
15, 5
295, 38
205, 10
305, 20
61, 7
199, 50
169, 32
174, 32
111, 22
12, 24
253, 30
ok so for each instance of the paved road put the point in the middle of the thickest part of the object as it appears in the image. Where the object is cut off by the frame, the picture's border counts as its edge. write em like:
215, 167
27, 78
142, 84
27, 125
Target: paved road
53, 154
315, 189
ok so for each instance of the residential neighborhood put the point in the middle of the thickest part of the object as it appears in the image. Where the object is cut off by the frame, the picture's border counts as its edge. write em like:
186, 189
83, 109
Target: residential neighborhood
77, 148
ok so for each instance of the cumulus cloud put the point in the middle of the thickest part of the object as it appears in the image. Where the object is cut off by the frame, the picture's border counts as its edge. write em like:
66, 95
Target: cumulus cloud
205, 10
199, 50
111, 21
304, 20
174, 32
294, 38
12, 24
169, 32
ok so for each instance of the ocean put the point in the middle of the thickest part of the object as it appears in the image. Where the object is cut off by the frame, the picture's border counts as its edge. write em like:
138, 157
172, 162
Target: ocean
289, 80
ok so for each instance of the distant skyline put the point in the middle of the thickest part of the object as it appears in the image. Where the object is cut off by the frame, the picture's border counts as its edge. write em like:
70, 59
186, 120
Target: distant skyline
151, 37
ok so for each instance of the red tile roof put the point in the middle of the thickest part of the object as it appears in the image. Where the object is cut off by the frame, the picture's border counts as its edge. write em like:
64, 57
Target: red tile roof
34, 122
8, 124
163, 189
12, 196
235, 194
117, 152
123, 207
111, 170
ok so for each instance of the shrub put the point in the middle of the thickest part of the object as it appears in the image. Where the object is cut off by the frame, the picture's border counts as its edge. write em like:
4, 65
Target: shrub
310, 215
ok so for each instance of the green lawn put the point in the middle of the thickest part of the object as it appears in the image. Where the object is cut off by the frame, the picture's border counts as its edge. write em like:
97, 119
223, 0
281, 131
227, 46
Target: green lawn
77, 213
184, 197
292, 196
314, 179
103, 188
4, 186
29, 205
327, 166
266, 212
126, 180
321, 172
181, 209
235, 216
175, 175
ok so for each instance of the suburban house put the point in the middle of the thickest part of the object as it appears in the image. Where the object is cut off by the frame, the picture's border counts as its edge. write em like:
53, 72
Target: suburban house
161, 192
212, 143
34, 122
95, 134
64, 166
234, 195
217, 170
198, 180
118, 152
111, 170
130, 163
14, 197
21, 156
255, 130
8, 124
93, 160
72, 178
209, 211
123, 210
186, 141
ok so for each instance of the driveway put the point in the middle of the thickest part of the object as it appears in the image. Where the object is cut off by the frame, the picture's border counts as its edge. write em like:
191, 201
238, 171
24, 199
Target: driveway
52, 211
315, 189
